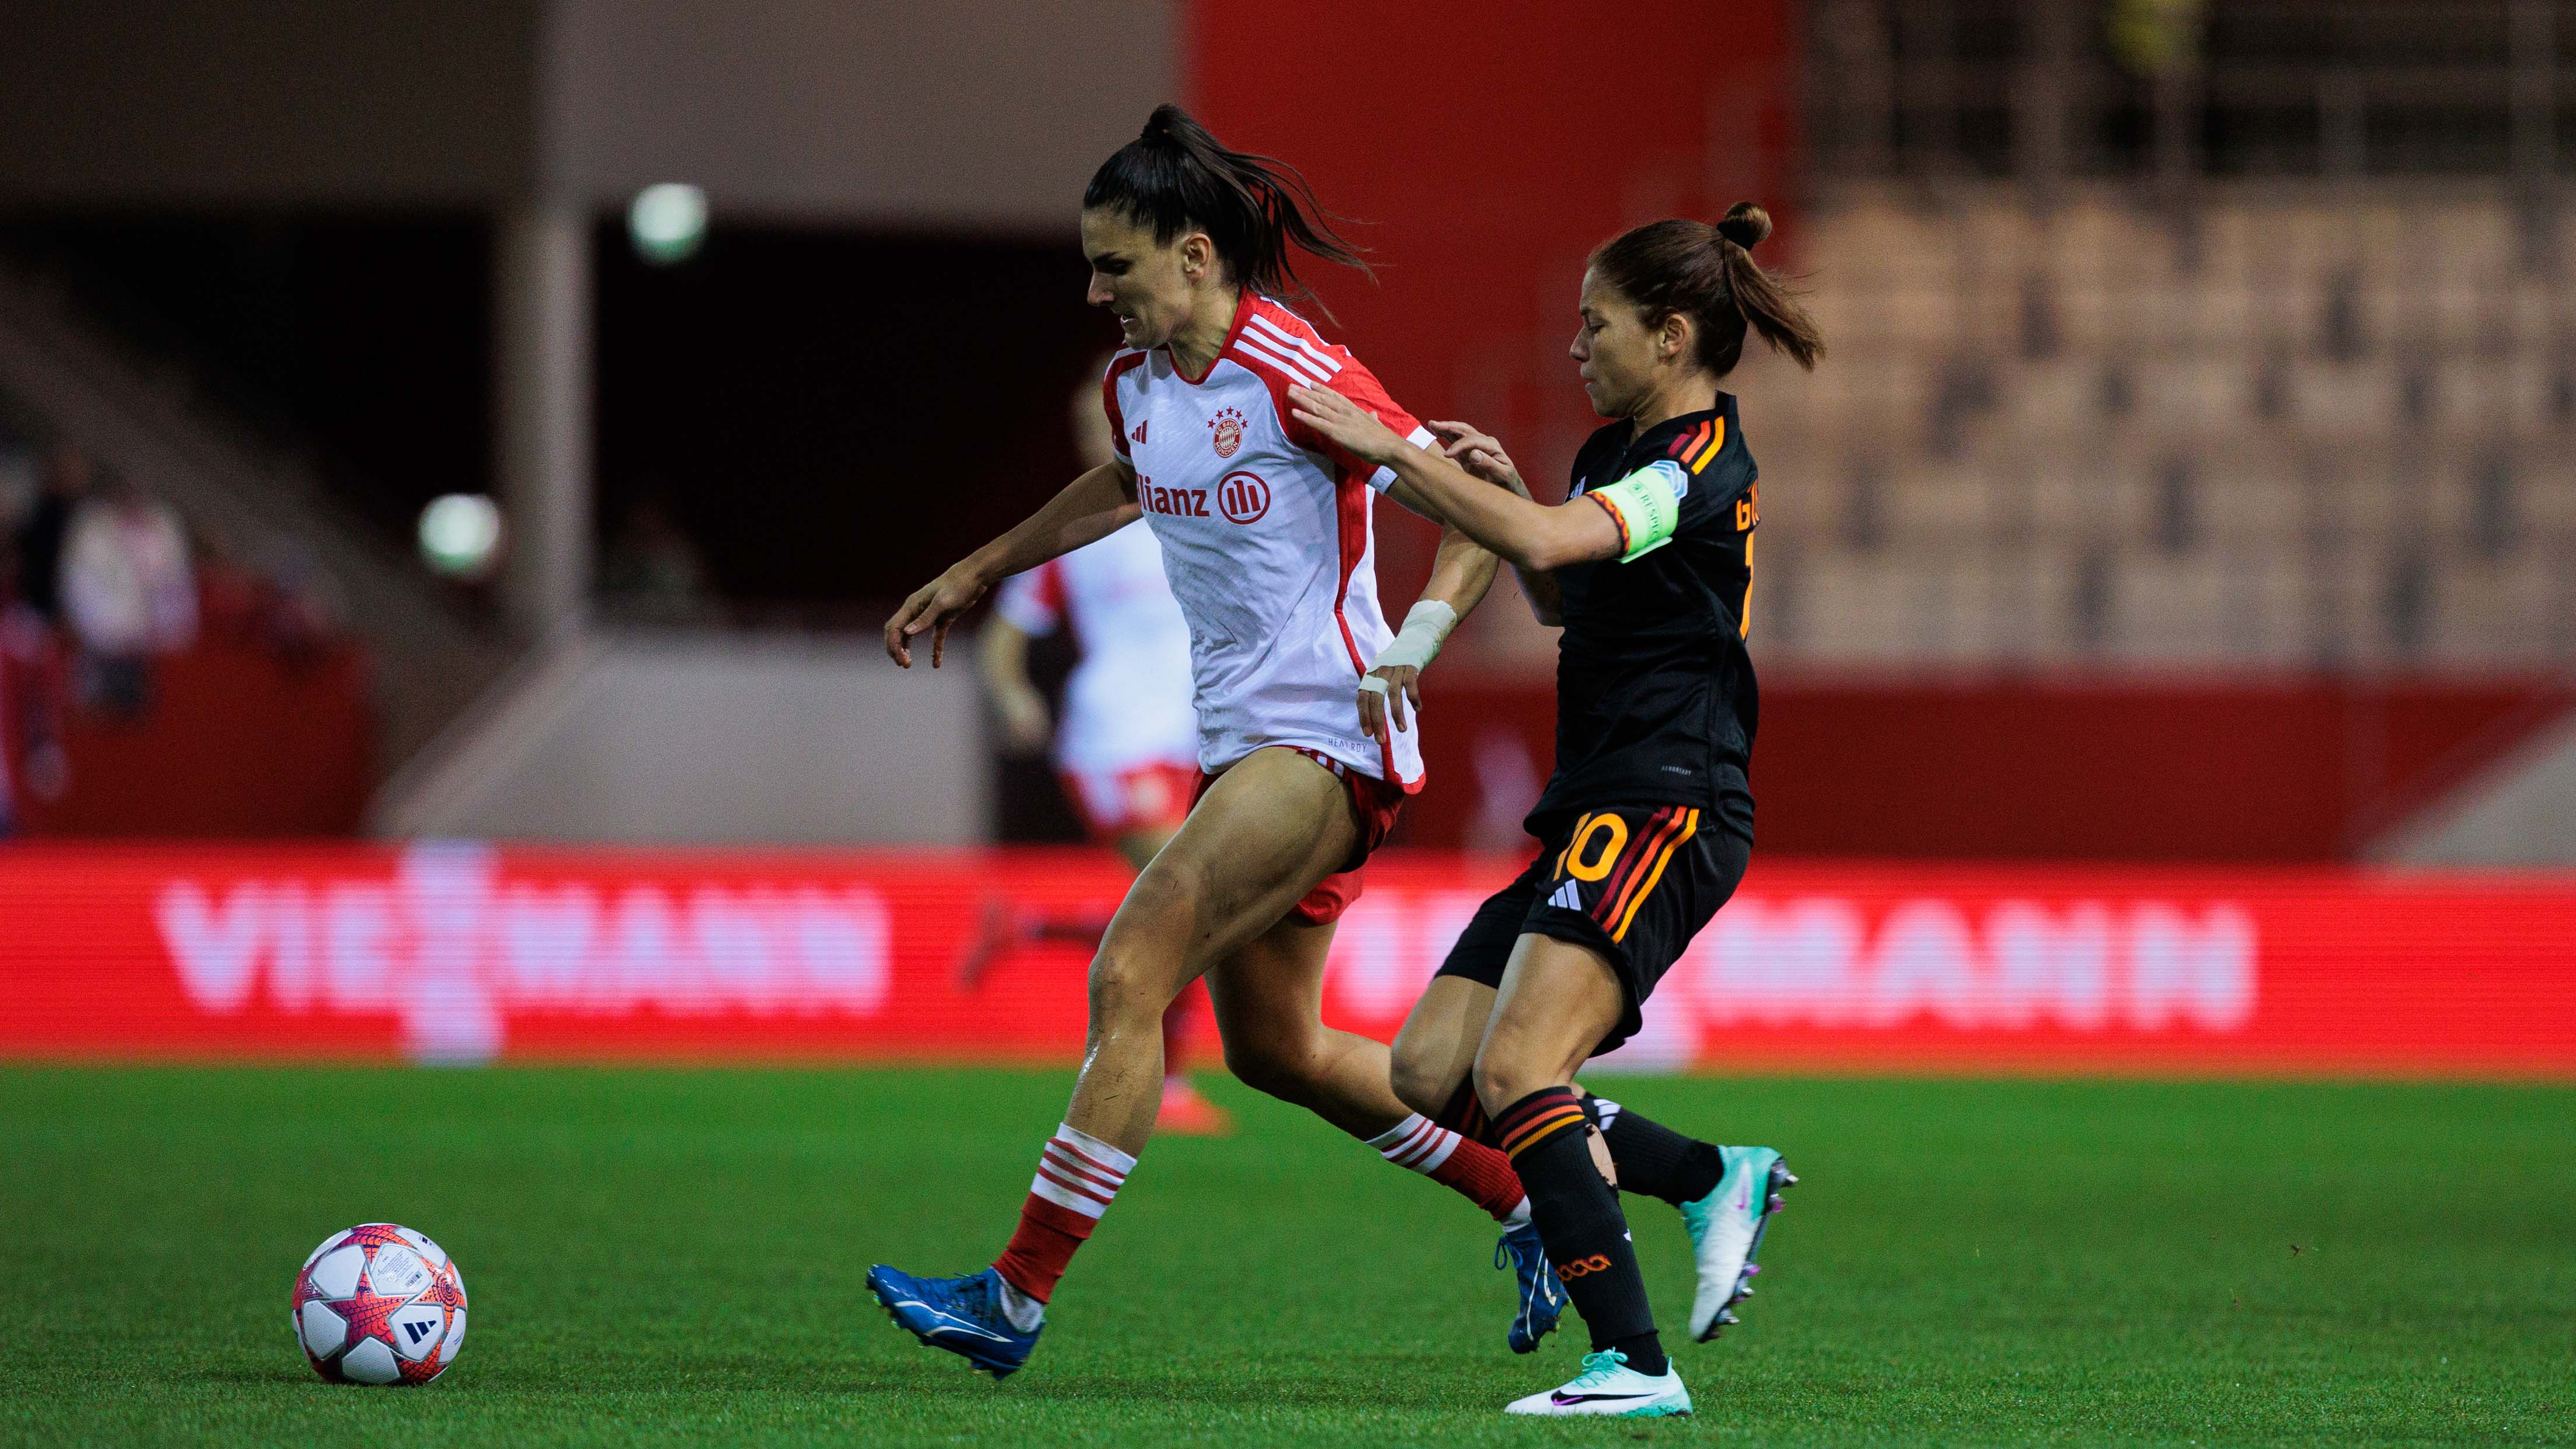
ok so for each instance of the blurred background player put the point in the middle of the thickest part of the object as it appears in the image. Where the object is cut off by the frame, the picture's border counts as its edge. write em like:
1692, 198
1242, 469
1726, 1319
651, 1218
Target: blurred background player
1127, 748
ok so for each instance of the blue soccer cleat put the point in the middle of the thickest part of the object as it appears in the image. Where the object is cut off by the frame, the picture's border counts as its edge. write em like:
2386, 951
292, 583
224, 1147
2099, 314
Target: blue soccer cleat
1542, 1298
962, 1315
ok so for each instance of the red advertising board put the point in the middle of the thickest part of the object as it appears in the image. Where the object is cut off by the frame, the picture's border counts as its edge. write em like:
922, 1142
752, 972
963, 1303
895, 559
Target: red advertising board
470, 952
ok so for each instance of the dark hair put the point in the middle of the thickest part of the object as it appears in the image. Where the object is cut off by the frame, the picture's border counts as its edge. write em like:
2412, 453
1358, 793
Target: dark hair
1707, 273
1176, 177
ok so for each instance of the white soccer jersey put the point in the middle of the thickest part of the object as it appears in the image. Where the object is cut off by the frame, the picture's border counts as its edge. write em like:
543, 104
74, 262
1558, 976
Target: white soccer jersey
1266, 537
1128, 701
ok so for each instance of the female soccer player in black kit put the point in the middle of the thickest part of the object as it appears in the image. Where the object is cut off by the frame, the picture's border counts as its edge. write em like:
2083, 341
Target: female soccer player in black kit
1648, 820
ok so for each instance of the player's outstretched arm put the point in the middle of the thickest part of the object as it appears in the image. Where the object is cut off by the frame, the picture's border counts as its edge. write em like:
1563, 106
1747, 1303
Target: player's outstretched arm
1530, 534
1090, 508
1482, 454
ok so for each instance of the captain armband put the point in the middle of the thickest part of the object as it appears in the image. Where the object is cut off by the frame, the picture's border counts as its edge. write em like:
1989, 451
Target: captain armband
1647, 506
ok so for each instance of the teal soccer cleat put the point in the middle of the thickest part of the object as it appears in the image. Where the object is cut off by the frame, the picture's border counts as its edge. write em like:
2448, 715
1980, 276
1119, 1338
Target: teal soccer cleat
1726, 1230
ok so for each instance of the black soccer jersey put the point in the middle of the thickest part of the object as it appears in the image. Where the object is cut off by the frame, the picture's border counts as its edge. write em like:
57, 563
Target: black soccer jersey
1655, 696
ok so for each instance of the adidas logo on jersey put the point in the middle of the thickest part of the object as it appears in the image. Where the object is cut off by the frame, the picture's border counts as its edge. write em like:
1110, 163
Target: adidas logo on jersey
1568, 897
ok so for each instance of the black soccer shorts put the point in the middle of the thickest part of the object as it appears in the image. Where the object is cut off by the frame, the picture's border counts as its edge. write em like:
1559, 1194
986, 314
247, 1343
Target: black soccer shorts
1632, 882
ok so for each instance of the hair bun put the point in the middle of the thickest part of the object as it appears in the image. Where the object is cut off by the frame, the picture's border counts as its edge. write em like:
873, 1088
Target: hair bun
1746, 224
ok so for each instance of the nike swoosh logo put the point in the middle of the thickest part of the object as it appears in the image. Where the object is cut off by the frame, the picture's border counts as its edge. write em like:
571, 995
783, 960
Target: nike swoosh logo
1561, 1397
952, 1325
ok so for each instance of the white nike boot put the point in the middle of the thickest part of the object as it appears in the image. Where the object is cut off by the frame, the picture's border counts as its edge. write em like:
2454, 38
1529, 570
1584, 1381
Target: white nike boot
1607, 1386
1726, 1231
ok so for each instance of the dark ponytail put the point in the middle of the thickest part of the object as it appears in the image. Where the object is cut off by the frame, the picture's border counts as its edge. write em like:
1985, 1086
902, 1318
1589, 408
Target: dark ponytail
1176, 177
1708, 274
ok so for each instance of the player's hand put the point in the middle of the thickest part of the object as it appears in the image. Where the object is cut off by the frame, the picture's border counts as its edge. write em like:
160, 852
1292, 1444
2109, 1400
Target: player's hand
1344, 423
1403, 684
1025, 725
1480, 453
934, 606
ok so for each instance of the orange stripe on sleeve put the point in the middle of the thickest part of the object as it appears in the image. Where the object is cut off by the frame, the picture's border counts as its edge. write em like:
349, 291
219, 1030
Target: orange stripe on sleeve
1715, 444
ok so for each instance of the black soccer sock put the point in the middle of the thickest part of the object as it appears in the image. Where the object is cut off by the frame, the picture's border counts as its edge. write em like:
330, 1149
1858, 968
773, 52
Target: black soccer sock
1652, 1158
1549, 1141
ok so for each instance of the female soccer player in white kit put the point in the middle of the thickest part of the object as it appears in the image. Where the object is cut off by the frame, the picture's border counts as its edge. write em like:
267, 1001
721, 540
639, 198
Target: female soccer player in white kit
1268, 541
1127, 745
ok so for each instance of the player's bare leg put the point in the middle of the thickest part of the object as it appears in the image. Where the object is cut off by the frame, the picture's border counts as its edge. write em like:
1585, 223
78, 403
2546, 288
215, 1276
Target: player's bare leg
1433, 1054
1269, 1010
1184, 1110
1265, 833
1269, 996
1262, 837
1229, 875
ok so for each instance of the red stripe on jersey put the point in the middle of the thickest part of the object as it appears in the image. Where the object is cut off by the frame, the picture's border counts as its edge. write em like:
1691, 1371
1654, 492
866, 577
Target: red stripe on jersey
1350, 485
1118, 366
1350, 506
1353, 381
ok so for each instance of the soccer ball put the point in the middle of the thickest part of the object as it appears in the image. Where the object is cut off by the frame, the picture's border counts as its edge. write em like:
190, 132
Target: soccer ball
379, 1304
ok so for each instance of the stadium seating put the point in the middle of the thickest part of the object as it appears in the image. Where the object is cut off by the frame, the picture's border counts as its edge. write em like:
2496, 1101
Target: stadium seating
2292, 427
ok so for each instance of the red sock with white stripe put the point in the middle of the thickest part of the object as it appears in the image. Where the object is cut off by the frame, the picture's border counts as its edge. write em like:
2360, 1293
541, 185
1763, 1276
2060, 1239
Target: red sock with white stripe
1078, 1174
1475, 1171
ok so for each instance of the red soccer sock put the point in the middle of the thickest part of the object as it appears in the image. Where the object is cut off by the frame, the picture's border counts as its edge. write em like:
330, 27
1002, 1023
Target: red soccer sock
1078, 1174
1471, 1169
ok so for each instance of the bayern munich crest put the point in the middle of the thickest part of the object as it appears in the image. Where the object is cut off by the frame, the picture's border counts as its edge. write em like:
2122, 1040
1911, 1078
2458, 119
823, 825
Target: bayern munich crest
1228, 427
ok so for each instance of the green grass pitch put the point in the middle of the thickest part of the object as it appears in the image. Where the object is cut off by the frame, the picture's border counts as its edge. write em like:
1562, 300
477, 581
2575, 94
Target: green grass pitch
676, 1257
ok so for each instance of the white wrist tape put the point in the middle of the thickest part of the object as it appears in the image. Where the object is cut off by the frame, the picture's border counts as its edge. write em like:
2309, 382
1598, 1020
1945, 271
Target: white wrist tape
1415, 645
